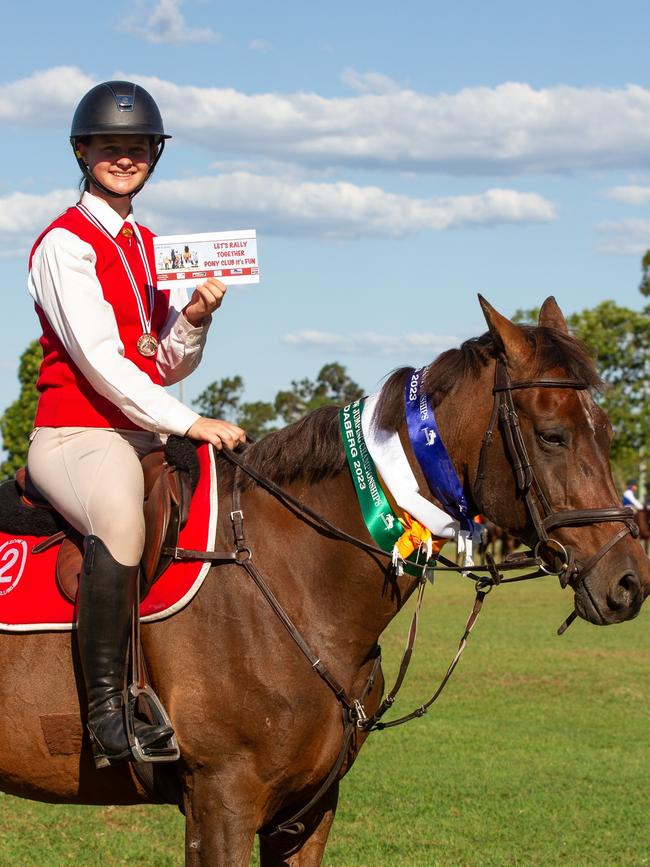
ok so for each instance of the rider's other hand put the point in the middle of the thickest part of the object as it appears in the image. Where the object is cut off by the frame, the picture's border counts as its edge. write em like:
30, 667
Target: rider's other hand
216, 431
205, 299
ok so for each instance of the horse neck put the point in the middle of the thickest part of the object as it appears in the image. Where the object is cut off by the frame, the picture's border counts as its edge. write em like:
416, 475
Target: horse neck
363, 594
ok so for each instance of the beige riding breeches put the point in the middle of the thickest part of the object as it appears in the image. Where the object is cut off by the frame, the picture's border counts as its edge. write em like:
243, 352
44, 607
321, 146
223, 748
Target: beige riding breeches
93, 477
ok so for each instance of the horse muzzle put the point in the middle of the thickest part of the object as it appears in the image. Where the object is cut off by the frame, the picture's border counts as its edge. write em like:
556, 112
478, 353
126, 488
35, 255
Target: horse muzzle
606, 602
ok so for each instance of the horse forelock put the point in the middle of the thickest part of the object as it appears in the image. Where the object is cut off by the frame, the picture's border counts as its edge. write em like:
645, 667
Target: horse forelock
311, 449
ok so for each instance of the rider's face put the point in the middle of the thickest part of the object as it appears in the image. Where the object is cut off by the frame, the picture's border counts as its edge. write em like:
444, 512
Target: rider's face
119, 162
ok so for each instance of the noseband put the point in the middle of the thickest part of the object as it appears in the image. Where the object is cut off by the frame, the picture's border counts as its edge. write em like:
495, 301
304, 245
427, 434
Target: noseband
541, 513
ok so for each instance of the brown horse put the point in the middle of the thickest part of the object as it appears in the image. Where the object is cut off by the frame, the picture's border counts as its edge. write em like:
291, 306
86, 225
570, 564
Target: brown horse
257, 728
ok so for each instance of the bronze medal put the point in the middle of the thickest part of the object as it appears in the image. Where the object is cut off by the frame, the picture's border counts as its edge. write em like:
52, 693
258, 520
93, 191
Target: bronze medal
147, 345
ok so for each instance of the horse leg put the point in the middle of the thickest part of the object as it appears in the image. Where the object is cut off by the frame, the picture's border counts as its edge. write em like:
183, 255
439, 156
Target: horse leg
220, 825
305, 850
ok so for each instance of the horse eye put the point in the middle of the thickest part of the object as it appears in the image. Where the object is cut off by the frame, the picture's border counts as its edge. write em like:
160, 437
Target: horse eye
552, 437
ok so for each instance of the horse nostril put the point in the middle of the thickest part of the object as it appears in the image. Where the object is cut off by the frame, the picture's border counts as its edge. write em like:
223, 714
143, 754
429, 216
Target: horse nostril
624, 594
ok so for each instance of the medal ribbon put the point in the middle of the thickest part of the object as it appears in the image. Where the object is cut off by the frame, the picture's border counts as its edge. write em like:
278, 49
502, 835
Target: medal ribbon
431, 453
388, 531
387, 452
145, 320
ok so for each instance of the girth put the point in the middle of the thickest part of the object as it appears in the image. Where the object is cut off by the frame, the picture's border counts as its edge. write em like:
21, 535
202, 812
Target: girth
543, 518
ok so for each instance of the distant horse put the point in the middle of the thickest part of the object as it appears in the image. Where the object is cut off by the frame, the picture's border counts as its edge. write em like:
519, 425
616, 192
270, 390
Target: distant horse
496, 541
259, 731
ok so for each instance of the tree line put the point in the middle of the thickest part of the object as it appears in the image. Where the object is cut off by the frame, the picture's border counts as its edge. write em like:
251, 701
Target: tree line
617, 337
223, 398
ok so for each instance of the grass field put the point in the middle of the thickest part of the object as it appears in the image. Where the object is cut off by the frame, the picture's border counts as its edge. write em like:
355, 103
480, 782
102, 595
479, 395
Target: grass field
536, 754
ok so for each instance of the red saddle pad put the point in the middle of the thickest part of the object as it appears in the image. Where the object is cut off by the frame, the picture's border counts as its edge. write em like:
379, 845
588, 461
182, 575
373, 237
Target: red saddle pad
30, 600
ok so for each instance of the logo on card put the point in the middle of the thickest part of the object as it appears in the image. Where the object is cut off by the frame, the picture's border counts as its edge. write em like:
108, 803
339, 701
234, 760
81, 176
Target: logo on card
13, 555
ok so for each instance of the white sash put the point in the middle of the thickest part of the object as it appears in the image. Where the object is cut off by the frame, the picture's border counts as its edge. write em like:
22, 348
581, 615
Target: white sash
387, 452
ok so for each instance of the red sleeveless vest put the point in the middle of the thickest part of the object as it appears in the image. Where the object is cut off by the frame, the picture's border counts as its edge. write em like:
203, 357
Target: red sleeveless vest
66, 398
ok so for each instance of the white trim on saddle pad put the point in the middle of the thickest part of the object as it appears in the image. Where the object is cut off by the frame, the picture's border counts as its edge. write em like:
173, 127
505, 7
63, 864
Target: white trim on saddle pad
207, 543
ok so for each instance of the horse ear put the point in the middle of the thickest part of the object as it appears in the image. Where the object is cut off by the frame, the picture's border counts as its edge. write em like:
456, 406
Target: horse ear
551, 316
508, 337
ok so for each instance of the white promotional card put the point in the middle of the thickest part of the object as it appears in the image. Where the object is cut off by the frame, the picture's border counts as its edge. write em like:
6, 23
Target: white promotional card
187, 260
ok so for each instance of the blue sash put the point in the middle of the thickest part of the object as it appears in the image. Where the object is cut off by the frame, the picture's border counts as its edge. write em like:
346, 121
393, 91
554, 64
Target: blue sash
431, 453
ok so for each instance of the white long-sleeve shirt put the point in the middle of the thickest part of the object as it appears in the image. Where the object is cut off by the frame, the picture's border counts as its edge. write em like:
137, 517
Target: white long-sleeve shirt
64, 284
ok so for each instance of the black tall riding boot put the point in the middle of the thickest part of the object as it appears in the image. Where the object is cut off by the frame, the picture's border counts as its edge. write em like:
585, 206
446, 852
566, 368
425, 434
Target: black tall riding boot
105, 605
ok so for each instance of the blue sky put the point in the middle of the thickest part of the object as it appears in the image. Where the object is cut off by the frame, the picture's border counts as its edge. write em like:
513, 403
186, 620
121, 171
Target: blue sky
395, 159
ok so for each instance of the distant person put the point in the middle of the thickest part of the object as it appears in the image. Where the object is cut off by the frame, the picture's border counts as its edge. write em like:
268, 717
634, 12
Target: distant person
629, 496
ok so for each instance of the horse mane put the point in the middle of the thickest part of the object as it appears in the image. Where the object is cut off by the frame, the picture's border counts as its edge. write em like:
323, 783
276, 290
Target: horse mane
550, 349
311, 450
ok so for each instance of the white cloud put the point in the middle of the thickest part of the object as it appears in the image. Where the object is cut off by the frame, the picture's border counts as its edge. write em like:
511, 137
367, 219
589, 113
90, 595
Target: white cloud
509, 129
631, 194
372, 343
281, 206
48, 97
260, 45
23, 216
163, 21
14, 253
625, 237
340, 209
368, 82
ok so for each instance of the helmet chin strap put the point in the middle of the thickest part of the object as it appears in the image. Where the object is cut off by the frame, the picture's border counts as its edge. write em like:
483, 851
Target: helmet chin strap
90, 177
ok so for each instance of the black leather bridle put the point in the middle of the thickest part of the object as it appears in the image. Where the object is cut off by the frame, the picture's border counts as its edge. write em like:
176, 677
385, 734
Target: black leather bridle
542, 515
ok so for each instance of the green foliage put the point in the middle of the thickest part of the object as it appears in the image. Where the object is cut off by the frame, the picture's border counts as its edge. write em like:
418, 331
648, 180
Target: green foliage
644, 286
18, 419
619, 339
256, 418
526, 317
223, 399
332, 385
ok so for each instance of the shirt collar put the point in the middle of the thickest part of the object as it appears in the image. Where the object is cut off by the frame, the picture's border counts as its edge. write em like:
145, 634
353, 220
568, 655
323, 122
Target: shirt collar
103, 212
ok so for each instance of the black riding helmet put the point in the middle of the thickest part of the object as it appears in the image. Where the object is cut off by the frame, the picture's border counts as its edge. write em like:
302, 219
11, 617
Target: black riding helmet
121, 108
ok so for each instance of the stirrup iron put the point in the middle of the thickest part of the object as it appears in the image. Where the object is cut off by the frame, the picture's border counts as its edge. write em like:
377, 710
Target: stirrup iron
147, 698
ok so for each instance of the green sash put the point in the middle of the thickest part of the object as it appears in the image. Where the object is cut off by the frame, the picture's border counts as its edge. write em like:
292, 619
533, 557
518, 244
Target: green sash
383, 524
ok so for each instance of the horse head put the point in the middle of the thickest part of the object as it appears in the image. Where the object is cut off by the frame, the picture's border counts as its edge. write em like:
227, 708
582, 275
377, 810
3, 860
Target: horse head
516, 411
546, 475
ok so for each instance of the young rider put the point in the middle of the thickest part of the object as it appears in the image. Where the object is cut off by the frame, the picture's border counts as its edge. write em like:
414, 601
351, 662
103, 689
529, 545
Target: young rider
111, 342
